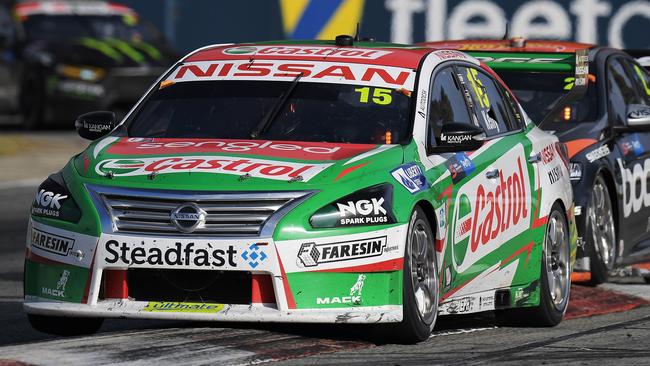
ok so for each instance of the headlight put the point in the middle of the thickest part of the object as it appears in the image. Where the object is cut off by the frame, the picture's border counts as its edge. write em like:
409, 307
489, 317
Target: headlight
53, 200
575, 171
85, 73
369, 206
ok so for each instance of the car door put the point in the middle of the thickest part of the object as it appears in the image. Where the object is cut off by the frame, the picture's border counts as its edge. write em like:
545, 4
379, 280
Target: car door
629, 83
502, 213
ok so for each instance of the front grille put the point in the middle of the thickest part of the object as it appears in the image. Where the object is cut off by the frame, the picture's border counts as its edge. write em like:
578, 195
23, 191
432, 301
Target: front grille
226, 214
182, 285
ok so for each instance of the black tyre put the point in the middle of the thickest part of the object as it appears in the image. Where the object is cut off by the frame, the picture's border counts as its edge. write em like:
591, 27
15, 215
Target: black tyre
65, 326
32, 101
555, 278
647, 279
600, 234
420, 286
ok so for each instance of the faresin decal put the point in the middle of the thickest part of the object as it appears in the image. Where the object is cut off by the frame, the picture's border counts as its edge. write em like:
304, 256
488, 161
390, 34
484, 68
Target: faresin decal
315, 72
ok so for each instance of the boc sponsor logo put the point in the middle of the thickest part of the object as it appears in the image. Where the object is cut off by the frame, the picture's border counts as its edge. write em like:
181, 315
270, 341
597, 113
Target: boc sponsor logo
312, 254
636, 192
411, 177
500, 211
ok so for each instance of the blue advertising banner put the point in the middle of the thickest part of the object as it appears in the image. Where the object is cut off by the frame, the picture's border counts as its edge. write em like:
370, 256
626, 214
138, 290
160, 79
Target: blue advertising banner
191, 24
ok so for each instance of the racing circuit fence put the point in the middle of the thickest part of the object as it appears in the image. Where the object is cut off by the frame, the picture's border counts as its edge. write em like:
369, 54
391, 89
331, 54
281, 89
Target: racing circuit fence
195, 23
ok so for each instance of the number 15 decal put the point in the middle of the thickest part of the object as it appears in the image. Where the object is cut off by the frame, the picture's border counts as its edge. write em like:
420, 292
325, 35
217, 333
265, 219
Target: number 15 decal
379, 95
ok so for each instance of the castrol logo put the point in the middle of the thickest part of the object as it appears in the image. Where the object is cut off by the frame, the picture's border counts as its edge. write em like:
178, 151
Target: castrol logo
490, 212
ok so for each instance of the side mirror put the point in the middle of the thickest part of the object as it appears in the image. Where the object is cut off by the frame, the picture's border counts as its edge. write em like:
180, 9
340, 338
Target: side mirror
638, 117
457, 136
94, 125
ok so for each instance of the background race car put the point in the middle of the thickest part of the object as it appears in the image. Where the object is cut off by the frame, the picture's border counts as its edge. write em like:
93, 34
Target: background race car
597, 101
308, 182
61, 59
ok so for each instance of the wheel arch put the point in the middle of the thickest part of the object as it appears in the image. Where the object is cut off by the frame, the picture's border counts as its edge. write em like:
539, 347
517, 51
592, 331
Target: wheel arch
428, 209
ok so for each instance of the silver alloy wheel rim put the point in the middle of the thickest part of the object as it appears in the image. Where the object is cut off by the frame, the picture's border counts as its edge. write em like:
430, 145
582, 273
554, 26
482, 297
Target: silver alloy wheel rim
601, 222
556, 254
424, 276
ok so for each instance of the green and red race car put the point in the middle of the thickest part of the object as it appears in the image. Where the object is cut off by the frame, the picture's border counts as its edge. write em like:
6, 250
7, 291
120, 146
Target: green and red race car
597, 101
322, 182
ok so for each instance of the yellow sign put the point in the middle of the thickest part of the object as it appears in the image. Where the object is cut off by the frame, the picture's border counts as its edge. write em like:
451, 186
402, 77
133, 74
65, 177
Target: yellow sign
182, 307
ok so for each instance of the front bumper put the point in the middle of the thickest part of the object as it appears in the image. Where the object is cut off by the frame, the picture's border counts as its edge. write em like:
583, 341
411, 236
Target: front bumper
241, 313
323, 280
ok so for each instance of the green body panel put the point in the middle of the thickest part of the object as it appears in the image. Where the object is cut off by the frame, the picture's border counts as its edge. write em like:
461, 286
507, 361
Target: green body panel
55, 281
526, 61
343, 289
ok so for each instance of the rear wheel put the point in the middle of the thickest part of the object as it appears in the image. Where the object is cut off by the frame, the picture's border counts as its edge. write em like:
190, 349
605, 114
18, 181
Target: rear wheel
555, 278
420, 284
65, 326
600, 233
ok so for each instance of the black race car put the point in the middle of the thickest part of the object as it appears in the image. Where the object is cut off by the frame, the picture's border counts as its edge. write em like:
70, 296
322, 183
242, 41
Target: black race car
597, 101
59, 59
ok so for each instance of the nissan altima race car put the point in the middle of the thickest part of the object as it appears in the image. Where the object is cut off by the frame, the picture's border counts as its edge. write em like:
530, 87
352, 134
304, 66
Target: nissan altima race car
322, 182
64, 58
597, 101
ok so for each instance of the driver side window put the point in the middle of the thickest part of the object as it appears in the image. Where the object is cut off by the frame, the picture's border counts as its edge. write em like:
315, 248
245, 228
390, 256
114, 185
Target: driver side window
446, 103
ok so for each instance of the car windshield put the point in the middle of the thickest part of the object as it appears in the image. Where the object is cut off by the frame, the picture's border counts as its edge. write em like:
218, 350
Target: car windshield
64, 27
539, 92
313, 112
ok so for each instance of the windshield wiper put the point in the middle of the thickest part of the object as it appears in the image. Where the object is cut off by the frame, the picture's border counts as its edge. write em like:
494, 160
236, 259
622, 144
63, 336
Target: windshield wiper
265, 123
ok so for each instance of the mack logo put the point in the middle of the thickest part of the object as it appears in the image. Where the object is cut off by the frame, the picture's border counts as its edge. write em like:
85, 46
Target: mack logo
49, 199
338, 300
311, 254
51, 243
636, 191
59, 291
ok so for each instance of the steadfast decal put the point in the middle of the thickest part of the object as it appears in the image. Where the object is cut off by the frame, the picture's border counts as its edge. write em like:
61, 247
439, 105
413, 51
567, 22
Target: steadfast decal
258, 168
497, 211
280, 149
636, 192
315, 72
311, 254
303, 51
179, 254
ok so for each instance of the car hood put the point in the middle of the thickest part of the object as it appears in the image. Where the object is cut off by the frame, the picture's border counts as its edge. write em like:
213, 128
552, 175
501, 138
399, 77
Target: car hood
218, 164
104, 53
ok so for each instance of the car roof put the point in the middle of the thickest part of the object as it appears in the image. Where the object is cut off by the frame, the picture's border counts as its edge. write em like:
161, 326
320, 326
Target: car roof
510, 45
374, 53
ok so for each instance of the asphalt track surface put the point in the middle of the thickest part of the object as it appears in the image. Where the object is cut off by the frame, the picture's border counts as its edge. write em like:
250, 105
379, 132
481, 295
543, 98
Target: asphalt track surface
619, 338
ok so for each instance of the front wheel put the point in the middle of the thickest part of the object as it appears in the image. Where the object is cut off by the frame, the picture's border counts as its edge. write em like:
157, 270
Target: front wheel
555, 278
420, 284
600, 233
64, 326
